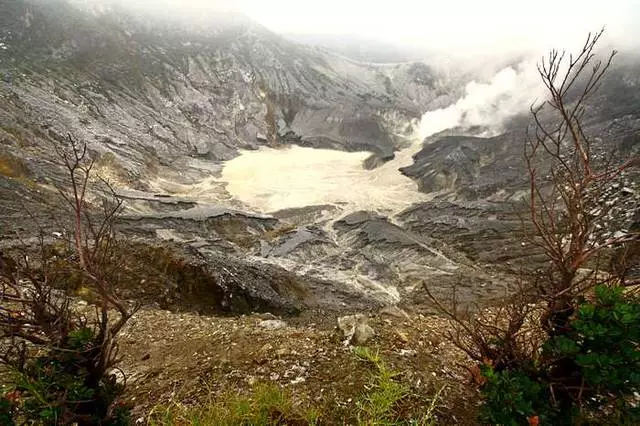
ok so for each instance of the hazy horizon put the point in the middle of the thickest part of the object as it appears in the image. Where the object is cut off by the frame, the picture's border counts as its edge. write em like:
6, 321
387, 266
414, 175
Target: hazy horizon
457, 27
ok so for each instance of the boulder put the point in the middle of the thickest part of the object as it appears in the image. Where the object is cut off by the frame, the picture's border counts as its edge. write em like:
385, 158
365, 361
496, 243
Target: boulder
355, 329
363, 333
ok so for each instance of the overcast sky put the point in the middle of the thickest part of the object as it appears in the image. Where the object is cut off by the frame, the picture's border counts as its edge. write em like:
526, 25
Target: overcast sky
467, 24
458, 25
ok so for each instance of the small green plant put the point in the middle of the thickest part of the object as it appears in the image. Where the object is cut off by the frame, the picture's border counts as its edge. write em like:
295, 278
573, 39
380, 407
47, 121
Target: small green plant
365, 354
58, 387
378, 404
512, 398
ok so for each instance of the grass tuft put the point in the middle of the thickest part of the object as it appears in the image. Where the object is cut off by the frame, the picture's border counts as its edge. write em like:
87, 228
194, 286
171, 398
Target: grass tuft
267, 405
377, 405
384, 394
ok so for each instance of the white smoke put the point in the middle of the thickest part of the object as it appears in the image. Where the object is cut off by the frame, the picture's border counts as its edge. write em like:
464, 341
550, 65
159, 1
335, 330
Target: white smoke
270, 179
509, 92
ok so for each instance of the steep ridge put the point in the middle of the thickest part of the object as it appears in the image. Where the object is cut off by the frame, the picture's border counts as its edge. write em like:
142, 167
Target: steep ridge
152, 89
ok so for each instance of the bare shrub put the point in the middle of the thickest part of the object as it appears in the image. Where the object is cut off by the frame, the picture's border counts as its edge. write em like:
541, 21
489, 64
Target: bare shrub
61, 356
538, 343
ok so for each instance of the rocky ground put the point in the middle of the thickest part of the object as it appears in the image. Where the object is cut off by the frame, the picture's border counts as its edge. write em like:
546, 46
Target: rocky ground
188, 358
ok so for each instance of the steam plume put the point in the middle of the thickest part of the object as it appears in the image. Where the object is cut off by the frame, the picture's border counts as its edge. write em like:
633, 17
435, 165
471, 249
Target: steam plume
508, 93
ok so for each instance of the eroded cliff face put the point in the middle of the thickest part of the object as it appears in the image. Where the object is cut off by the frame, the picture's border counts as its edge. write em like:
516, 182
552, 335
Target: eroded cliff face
151, 90
161, 106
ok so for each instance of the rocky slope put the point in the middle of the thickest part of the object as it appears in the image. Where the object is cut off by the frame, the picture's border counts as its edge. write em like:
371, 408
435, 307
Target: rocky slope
161, 104
150, 90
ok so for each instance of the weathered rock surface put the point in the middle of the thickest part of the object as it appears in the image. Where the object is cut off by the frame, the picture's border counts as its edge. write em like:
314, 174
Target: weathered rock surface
355, 329
149, 91
161, 105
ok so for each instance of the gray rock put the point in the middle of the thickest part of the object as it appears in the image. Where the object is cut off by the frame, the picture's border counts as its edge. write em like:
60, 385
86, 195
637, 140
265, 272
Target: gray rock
355, 329
363, 334
347, 325
272, 324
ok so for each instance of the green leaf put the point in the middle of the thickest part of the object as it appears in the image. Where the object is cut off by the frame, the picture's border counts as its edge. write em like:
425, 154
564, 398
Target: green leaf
587, 311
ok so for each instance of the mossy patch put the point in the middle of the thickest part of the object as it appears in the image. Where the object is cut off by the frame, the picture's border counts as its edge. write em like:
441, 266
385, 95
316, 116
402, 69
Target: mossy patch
13, 167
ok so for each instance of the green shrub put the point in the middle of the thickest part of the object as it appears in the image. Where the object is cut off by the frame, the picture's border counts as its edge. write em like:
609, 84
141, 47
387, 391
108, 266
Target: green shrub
513, 397
588, 374
601, 349
58, 387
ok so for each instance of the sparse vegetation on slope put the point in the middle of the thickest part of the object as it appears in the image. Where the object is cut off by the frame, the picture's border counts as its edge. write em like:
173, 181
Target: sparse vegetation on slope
378, 403
562, 349
59, 362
